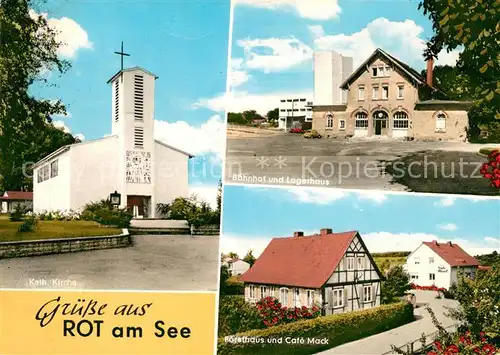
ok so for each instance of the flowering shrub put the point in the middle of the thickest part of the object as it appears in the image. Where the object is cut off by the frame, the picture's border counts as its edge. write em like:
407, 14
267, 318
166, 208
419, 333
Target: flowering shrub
491, 169
427, 288
66, 215
464, 344
273, 313
296, 130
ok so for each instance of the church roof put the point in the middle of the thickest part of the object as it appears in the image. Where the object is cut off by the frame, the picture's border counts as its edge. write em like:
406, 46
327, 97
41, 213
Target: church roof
401, 66
131, 69
174, 148
301, 261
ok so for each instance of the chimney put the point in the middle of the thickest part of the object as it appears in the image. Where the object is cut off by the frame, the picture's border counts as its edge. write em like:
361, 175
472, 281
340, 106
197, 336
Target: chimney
430, 71
435, 242
325, 231
298, 234
450, 244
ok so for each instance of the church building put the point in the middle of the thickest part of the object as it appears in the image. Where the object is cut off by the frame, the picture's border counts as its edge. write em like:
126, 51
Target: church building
383, 97
144, 171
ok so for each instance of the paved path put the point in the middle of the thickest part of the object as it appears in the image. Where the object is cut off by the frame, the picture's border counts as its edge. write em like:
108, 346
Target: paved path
155, 262
158, 223
381, 343
290, 159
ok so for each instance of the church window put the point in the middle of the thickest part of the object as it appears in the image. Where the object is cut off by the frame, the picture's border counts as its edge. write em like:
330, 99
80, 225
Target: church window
441, 122
139, 137
117, 100
139, 97
361, 120
54, 169
400, 120
329, 121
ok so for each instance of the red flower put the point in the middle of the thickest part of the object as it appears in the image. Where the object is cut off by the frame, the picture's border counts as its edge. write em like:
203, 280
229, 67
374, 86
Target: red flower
437, 344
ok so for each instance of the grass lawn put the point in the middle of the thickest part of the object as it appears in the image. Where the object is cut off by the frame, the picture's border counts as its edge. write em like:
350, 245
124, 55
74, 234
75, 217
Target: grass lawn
442, 172
53, 229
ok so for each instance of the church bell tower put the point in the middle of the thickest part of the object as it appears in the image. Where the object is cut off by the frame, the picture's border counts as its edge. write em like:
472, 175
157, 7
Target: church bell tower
132, 122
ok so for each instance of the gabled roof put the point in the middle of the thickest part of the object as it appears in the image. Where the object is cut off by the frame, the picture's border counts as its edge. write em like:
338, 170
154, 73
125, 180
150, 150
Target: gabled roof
452, 254
307, 261
65, 148
131, 69
174, 148
403, 68
17, 195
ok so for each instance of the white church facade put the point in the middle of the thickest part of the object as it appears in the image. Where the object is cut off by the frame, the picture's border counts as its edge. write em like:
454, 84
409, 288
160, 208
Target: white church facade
130, 161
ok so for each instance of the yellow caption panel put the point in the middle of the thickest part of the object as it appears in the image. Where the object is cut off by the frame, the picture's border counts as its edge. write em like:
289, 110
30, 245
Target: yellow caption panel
39, 322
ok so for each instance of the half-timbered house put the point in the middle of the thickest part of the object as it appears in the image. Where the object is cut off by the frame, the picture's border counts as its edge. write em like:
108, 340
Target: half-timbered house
332, 270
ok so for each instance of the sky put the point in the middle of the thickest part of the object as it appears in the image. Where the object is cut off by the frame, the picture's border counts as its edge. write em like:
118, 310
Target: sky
185, 43
253, 215
273, 42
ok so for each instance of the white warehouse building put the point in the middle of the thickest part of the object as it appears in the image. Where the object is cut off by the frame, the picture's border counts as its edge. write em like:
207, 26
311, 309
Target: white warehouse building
294, 111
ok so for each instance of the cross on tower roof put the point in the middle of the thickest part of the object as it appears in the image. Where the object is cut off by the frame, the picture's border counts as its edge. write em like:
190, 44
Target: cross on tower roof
122, 54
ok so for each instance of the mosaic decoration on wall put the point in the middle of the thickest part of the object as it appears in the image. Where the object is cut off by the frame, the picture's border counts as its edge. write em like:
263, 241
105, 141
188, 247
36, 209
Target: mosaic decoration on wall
139, 168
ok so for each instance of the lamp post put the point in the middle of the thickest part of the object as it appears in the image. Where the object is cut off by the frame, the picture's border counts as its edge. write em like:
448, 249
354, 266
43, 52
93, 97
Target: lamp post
115, 199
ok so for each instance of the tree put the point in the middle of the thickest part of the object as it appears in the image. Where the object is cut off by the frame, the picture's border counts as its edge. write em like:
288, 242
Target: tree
28, 47
219, 197
479, 301
233, 255
473, 26
250, 258
224, 276
395, 286
273, 115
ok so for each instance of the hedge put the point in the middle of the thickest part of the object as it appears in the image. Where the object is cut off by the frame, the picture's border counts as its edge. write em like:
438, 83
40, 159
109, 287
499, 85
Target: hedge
336, 329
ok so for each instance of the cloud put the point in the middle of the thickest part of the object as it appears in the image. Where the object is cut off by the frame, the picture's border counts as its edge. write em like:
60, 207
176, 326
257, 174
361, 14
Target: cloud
375, 196
403, 39
61, 125
69, 33
317, 31
376, 242
274, 54
238, 75
314, 10
207, 138
206, 193
445, 202
317, 196
448, 227
80, 136
239, 101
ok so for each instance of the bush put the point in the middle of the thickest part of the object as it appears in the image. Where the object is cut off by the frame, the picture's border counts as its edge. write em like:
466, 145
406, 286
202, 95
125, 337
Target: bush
273, 313
236, 316
104, 213
29, 225
395, 286
338, 329
18, 213
312, 134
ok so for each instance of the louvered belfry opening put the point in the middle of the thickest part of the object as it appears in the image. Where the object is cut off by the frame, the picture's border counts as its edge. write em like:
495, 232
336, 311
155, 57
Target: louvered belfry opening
138, 97
117, 101
138, 137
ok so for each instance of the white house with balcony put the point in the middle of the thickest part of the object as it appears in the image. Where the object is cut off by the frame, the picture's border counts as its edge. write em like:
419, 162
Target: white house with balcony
130, 161
294, 111
439, 264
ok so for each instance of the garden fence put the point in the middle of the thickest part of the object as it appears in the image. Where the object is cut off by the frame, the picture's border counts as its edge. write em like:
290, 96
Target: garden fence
416, 347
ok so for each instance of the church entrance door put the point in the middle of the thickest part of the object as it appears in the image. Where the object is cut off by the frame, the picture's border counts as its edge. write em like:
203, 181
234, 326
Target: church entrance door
138, 206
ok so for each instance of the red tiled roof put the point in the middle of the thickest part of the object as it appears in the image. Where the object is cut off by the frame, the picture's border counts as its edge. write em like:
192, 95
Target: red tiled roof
17, 195
305, 261
452, 254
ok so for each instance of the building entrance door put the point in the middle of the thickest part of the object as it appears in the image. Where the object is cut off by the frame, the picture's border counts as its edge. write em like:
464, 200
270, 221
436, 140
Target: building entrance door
380, 119
138, 206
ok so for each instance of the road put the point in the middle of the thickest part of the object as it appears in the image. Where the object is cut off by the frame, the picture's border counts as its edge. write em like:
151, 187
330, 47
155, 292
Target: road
289, 159
154, 262
381, 343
